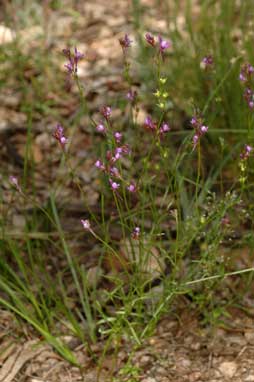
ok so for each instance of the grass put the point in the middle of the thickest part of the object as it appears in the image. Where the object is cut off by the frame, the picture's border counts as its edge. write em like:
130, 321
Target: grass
188, 200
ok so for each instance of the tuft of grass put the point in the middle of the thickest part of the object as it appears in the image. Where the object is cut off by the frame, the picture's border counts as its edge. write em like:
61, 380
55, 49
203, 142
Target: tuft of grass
169, 200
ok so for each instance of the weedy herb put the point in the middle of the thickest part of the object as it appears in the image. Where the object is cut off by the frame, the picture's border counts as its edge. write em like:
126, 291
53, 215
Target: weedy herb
170, 194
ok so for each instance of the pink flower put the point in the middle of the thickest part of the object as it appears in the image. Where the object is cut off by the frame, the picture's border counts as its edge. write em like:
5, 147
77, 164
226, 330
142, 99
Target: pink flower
118, 153
99, 164
132, 187
118, 137
200, 129
86, 224
206, 62
149, 123
246, 152
203, 129
249, 97
163, 44
136, 233
250, 69
14, 181
242, 77
164, 128
131, 95
114, 172
193, 121
195, 140
63, 141
59, 136
246, 72
114, 185
101, 128
106, 111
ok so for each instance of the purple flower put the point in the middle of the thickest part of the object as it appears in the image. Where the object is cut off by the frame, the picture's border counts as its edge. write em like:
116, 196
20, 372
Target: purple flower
249, 97
207, 62
125, 41
200, 129
63, 141
132, 187
72, 64
77, 56
118, 153
203, 129
248, 148
99, 164
163, 44
14, 181
246, 152
242, 77
136, 233
131, 95
149, 123
114, 185
118, 137
150, 39
114, 172
193, 121
70, 67
86, 224
195, 140
59, 136
250, 69
248, 93
106, 111
246, 72
101, 128
164, 128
